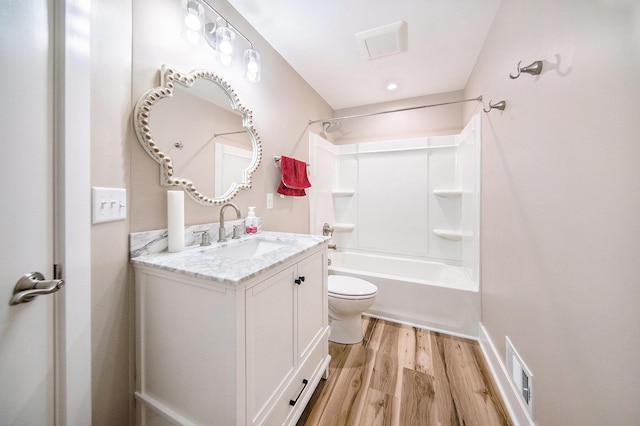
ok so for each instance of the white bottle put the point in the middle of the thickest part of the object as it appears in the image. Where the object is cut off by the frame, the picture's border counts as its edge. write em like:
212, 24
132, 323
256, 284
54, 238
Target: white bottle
251, 222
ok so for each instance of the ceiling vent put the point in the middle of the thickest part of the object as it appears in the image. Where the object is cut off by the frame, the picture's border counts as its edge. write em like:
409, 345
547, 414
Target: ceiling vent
383, 41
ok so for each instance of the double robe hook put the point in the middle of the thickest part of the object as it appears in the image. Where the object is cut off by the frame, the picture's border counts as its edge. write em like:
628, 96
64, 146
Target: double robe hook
534, 68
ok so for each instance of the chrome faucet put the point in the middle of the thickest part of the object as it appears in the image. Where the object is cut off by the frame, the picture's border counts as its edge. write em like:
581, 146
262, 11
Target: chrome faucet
222, 235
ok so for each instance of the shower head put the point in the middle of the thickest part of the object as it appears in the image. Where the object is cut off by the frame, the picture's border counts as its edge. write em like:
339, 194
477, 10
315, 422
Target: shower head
331, 127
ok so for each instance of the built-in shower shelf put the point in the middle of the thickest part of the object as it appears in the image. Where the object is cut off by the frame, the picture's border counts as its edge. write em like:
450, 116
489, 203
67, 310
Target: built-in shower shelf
448, 193
449, 234
343, 192
343, 227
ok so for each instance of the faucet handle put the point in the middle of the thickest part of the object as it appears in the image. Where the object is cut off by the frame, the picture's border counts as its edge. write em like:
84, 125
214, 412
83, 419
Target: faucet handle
206, 239
236, 232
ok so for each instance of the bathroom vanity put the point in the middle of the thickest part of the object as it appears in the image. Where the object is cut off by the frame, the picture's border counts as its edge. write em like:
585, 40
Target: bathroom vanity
231, 334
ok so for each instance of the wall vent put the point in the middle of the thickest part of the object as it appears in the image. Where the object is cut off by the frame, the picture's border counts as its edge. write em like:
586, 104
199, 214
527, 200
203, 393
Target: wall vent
520, 376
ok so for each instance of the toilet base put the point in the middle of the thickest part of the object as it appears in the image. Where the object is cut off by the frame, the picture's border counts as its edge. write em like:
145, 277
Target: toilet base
347, 331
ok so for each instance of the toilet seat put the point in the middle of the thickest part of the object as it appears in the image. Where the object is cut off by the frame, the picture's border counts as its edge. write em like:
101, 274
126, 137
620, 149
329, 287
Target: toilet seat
343, 287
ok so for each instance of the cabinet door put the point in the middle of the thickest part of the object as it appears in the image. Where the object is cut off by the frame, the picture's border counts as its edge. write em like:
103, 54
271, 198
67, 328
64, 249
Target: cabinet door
312, 303
270, 333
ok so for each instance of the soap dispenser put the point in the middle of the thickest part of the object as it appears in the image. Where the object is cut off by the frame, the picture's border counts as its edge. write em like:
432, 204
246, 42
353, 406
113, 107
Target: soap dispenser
251, 222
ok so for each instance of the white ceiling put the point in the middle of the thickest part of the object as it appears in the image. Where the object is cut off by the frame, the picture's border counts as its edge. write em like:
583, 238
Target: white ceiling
317, 37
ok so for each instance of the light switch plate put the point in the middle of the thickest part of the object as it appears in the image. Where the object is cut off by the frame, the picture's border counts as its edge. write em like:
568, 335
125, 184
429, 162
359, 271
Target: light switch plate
108, 204
270, 201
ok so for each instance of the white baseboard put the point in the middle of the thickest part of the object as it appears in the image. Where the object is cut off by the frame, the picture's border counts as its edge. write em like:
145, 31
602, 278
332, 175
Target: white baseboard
411, 322
515, 406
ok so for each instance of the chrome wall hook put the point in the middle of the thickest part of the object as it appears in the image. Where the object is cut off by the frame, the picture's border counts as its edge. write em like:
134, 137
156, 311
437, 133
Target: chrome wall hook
534, 68
498, 105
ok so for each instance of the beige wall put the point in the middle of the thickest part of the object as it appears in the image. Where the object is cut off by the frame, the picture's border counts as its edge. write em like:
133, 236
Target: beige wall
444, 120
282, 104
560, 189
561, 204
111, 293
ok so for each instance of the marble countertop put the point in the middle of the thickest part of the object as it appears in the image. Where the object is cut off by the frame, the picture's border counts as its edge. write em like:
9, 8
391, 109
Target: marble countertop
203, 262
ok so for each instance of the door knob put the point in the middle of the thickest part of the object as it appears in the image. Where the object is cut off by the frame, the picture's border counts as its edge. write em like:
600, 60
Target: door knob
32, 285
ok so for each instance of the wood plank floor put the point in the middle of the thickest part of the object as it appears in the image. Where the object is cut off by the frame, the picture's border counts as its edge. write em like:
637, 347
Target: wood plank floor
404, 376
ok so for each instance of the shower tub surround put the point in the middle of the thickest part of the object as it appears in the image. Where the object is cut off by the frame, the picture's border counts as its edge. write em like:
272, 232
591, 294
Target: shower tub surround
406, 217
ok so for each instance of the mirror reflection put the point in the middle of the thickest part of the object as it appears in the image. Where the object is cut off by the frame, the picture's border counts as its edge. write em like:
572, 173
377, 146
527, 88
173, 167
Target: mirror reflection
200, 134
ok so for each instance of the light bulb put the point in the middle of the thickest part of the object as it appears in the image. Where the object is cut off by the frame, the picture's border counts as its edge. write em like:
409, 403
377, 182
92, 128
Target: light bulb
252, 65
225, 47
225, 59
192, 36
193, 13
192, 22
224, 44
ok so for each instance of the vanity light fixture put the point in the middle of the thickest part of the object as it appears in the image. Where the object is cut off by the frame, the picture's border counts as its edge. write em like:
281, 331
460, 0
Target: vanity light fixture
220, 34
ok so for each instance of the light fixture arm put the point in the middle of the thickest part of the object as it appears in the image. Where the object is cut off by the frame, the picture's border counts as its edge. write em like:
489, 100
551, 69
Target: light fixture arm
229, 24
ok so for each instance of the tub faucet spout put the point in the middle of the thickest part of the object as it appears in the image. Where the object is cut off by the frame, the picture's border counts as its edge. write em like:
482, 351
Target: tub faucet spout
222, 235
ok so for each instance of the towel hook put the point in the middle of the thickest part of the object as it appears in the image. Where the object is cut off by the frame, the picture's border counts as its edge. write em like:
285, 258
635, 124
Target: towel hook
498, 105
534, 68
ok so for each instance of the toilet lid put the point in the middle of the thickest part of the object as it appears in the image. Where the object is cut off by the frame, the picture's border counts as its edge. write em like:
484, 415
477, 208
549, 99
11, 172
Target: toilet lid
350, 286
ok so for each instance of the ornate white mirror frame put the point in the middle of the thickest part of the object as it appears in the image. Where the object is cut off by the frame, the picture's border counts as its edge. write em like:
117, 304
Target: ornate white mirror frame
142, 115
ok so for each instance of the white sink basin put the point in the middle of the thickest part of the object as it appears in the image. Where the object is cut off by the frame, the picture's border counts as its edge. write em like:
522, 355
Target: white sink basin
246, 249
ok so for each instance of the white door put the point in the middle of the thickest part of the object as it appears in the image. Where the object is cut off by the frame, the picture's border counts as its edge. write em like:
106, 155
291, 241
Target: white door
26, 211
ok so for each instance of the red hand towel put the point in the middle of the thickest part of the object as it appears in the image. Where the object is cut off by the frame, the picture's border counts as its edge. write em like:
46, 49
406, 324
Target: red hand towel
294, 177
282, 189
294, 173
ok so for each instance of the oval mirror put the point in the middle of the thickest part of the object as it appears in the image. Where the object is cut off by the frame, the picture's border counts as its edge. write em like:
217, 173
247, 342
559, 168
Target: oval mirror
194, 126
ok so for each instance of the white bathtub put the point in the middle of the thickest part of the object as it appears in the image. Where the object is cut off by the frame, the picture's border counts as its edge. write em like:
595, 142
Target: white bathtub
428, 294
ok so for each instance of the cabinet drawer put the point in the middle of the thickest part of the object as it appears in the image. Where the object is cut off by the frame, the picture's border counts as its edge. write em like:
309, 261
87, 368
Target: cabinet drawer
297, 391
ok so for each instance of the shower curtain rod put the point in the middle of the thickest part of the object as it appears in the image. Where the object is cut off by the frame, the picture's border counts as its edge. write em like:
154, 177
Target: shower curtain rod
346, 117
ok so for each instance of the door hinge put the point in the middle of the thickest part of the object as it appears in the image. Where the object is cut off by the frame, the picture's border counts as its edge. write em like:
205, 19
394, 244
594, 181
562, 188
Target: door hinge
57, 271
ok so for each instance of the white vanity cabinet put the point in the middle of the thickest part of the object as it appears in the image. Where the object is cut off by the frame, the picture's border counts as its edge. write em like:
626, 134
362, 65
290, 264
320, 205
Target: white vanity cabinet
285, 321
215, 353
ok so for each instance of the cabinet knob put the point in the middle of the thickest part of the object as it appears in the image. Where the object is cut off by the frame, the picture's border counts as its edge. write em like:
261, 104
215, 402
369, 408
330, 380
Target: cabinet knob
299, 281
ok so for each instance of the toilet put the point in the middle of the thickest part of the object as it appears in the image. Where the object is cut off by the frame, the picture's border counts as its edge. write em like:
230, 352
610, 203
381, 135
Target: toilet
349, 297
